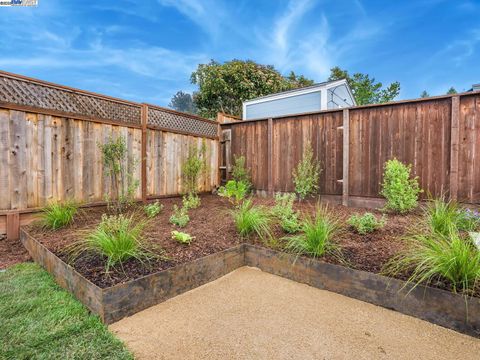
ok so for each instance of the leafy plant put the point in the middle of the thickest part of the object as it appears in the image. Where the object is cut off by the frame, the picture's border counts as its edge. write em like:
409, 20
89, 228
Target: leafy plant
182, 237
191, 201
434, 257
366, 223
57, 215
240, 172
118, 238
250, 219
153, 209
193, 167
122, 183
234, 191
398, 188
180, 216
283, 211
306, 174
443, 216
316, 236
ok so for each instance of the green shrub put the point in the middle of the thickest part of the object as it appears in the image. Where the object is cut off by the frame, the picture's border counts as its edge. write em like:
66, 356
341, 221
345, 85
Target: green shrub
117, 238
180, 216
182, 237
306, 175
193, 167
57, 215
366, 223
250, 219
240, 173
398, 188
123, 185
434, 257
284, 213
191, 201
234, 191
153, 209
316, 236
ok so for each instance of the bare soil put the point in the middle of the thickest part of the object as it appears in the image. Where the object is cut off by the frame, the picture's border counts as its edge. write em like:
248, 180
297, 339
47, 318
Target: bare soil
214, 231
11, 252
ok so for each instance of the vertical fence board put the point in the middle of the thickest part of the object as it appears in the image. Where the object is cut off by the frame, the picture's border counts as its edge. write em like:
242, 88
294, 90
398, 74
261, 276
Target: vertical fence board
5, 198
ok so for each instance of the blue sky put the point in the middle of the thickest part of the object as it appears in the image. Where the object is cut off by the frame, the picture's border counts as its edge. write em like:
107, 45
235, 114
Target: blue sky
145, 50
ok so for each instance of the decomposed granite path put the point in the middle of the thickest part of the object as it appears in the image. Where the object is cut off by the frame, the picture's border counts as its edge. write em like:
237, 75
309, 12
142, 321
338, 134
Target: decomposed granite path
249, 314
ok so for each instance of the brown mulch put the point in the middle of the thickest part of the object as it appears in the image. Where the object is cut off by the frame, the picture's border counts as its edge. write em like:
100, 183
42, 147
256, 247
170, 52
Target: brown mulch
214, 231
11, 252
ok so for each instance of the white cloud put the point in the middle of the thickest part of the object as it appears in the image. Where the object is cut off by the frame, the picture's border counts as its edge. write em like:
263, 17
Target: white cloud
209, 15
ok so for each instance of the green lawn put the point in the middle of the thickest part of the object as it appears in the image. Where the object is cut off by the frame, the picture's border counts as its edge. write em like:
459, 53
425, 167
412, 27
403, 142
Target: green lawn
39, 320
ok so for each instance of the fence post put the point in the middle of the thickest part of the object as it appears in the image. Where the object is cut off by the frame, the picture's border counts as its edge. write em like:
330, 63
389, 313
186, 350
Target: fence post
13, 226
454, 143
144, 118
346, 155
227, 139
270, 155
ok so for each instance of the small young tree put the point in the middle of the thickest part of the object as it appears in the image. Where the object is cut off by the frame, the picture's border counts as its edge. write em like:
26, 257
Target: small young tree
306, 175
240, 172
192, 168
399, 189
122, 183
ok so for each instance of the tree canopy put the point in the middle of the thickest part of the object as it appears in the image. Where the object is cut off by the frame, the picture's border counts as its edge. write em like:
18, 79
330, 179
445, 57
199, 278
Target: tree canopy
452, 91
183, 101
223, 87
365, 89
424, 94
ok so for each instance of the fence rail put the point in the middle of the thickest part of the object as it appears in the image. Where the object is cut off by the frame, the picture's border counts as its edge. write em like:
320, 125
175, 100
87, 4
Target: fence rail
439, 136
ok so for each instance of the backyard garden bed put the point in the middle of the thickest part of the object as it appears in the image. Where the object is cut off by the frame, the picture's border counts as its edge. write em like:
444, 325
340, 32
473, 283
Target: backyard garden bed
217, 248
214, 230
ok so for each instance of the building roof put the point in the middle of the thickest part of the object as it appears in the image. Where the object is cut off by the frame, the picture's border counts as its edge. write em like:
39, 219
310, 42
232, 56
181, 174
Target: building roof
302, 89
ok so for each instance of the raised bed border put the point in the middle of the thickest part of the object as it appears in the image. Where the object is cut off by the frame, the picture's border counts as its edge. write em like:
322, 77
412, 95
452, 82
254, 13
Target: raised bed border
437, 306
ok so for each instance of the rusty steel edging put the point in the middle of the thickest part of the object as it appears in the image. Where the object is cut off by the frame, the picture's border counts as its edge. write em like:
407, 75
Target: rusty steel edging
437, 306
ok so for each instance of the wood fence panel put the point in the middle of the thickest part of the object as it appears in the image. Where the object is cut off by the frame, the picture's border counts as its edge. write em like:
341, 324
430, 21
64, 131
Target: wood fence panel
469, 150
416, 133
166, 154
45, 158
255, 152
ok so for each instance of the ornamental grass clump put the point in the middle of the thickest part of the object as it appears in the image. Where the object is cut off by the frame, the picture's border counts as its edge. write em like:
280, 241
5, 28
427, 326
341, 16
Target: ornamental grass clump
117, 238
366, 223
306, 175
400, 190
442, 216
432, 258
316, 237
250, 219
57, 215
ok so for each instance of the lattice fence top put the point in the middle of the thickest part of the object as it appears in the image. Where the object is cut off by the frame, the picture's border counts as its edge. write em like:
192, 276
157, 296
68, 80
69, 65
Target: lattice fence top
181, 122
20, 90
36, 94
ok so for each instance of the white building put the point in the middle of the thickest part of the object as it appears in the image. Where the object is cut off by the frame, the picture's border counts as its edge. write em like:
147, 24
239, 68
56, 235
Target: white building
322, 96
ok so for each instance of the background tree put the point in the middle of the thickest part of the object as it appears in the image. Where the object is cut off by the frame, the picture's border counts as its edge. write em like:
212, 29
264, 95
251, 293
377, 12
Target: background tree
365, 89
223, 87
424, 94
452, 91
183, 101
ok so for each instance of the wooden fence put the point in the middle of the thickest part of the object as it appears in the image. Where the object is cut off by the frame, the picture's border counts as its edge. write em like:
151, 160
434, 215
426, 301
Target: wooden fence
49, 136
439, 136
